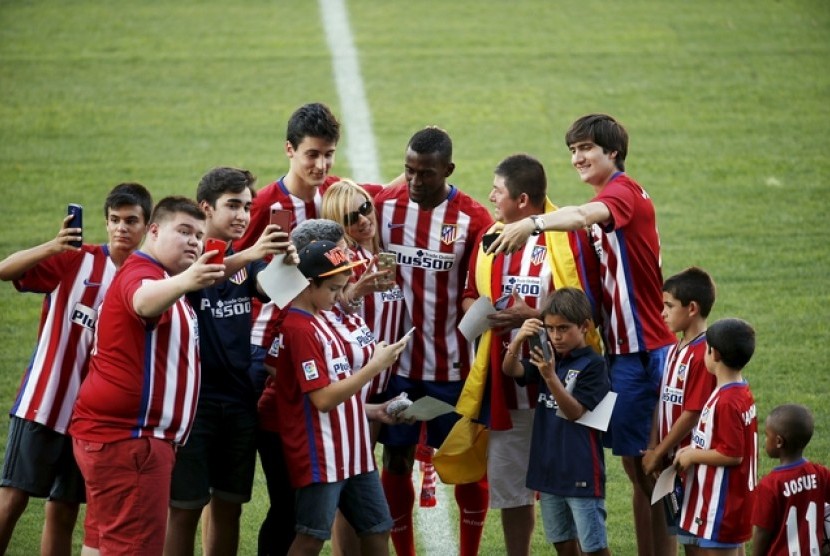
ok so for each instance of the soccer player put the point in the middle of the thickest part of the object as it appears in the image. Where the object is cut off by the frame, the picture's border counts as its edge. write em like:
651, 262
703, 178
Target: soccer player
790, 501
721, 464
137, 403
39, 460
432, 227
622, 226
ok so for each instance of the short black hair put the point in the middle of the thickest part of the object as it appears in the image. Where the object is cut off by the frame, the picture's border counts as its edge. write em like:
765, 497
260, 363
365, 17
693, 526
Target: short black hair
221, 180
129, 194
312, 120
523, 173
794, 423
734, 339
692, 284
432, 140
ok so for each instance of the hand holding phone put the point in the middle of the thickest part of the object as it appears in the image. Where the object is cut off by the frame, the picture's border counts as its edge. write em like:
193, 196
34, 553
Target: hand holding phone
541, 340
77, 221
282, 218
386, 261
488, 239
213, 244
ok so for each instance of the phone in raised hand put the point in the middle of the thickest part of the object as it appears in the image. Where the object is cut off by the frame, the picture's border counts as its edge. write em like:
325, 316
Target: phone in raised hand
77, 212
282, 218
213, 244
541, 340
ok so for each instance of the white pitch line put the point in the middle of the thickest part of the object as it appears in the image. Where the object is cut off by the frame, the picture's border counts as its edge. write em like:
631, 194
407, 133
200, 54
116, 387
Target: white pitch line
360, 146
432, 525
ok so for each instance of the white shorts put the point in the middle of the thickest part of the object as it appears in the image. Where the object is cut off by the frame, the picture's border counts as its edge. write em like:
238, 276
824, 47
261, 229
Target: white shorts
508, 453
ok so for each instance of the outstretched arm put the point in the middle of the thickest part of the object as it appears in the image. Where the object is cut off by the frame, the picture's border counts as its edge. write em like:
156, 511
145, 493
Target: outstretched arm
515, 235
15, 265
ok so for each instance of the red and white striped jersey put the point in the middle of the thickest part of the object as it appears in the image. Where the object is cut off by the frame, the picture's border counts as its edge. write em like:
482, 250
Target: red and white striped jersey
526, 272
143, 376
74, 283
717, 501
630, 269
358, 344
686, 386
320, 447
790, 505
433, 249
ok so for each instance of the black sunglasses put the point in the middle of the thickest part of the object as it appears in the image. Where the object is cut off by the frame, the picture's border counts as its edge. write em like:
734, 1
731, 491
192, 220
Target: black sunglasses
351, 218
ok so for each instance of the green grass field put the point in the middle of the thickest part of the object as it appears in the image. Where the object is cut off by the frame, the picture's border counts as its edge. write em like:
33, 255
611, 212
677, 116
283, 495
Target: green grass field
726, 105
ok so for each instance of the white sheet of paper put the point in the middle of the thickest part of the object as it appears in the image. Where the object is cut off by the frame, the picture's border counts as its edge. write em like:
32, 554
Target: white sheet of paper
281, 282
427, 408
664, 484
475, 322
599, 417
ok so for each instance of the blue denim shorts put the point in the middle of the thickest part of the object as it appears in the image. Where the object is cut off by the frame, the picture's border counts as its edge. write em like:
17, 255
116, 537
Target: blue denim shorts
360, 499
568, 518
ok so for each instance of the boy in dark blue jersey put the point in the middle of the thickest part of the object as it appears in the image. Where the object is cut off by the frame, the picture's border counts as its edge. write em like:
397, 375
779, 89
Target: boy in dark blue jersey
567, 463
215, 468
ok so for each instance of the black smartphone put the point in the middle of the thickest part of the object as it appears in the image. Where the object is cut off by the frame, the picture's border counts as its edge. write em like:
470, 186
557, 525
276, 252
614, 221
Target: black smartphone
541, 340
77, 212
487, 240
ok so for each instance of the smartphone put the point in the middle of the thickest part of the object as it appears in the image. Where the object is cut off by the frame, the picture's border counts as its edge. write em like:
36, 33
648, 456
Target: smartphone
488, 239
541, 340
386, 261
282, 218
213, 244
503, 302
77, 212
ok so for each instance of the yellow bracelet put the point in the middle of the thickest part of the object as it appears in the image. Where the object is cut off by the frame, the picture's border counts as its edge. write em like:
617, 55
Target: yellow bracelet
511, 354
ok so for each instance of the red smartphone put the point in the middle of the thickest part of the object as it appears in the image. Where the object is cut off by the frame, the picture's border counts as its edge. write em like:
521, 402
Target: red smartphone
281, 218
213, 244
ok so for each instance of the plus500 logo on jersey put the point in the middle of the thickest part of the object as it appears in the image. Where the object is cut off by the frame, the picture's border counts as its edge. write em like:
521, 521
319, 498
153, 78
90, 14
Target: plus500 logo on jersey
426, 259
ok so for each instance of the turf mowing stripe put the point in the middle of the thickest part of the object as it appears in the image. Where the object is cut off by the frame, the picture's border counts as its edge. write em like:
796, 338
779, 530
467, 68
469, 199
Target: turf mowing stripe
357, 119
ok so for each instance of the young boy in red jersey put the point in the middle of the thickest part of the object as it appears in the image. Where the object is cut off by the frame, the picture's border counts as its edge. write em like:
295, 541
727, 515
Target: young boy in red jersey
138, 401
320, 413
721, 464
39, 460
789, 515
688, 297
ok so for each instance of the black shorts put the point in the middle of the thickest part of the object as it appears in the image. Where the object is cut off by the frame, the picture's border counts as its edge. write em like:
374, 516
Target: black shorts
39, 461
219, 457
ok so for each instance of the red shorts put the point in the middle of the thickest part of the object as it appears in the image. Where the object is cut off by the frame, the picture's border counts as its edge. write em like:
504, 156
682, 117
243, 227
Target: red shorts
127, 493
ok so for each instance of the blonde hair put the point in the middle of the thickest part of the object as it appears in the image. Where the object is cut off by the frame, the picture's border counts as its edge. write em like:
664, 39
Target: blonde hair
337, 201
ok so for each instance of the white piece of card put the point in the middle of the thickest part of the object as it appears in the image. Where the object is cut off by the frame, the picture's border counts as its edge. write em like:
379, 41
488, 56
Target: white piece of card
475, 322
600, 416
280, 281
664, 485
426, 408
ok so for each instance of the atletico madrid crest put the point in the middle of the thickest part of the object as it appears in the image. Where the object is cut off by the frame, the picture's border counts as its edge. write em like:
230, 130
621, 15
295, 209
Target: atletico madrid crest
449, 234
537, 257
